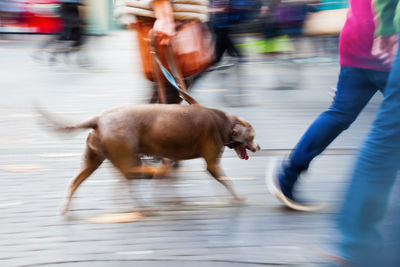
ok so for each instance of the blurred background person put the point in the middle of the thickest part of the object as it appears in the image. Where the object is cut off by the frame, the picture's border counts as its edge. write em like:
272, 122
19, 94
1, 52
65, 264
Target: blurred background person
270, 26
290, 16
71, 36
219, 21
297, 29
362, 74
282, 24
73, 23
224, 16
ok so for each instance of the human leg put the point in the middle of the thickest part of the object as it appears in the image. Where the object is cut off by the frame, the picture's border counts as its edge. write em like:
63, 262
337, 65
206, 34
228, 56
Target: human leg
373, 176
171, 94
354, 89
230, 46
220, 42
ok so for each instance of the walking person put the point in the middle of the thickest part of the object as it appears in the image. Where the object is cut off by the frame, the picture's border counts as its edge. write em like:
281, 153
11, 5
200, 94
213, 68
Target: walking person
166, 19
362, 74
70, 38
378, 161
221, 25
72, 23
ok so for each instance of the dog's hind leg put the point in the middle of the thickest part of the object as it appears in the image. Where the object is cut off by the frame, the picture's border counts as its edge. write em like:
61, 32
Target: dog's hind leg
122, 155
92, 160
157, 172
164, 190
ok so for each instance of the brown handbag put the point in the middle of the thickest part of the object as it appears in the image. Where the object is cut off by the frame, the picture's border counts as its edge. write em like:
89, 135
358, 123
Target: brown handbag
192, 46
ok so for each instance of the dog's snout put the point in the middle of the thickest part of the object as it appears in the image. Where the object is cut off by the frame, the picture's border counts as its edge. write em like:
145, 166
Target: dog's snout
254, 147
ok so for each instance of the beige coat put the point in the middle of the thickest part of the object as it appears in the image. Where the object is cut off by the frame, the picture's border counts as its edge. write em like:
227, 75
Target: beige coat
182, 9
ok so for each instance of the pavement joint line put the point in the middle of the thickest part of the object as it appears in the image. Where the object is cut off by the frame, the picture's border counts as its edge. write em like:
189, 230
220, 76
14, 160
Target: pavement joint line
135, 252
237, 95
23, 168
59, 155
238, 178
23, 115
157, 260
283, 152
102, 181
11, 204
230, 154
209, 90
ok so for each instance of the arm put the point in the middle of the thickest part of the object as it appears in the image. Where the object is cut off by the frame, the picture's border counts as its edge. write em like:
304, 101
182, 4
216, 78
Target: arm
385, 44
164, 26
385, 13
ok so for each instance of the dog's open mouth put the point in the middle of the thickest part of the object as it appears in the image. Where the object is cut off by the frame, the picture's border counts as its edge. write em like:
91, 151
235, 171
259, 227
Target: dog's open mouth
245, 156
241, 151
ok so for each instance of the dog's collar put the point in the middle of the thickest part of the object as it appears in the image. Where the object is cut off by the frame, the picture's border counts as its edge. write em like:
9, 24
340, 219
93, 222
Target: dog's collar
231, 143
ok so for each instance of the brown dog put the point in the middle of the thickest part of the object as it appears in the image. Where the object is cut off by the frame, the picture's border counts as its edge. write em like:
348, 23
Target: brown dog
176, 132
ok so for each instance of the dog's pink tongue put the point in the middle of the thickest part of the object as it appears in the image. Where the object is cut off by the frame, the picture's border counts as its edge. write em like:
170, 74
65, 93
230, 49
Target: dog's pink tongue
245, 156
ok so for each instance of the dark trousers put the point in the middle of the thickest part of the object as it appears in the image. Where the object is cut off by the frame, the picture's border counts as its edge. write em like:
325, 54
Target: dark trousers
72, 24
171, 93
223, 42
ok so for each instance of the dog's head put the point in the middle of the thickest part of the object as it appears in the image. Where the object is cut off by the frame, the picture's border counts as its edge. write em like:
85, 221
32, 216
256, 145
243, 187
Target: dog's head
242, 137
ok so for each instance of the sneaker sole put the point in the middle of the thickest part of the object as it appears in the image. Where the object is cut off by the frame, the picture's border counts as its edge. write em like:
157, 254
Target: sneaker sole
273, 189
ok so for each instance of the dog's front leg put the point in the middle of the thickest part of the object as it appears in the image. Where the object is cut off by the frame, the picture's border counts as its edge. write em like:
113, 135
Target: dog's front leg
214, 169
134, 193
165, 187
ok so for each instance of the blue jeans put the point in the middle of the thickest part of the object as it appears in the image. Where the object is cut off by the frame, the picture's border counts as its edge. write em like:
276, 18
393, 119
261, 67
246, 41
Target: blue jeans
355, 88
372, 179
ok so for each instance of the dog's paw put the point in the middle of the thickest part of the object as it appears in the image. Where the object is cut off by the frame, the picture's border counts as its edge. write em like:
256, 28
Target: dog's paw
239, 200
64, 209
148, 212
171, 201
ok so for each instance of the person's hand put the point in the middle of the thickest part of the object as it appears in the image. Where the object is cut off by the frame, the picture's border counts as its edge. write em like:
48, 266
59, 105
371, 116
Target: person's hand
164, 26
164, 29
385, 47
217, 10
264, 10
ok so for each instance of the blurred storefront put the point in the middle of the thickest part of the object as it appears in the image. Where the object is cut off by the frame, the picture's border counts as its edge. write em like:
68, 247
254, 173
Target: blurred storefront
41, 16
33, 16
99, 16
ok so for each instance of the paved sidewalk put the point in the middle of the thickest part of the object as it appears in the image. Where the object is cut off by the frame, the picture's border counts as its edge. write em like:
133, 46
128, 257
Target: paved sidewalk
207, 229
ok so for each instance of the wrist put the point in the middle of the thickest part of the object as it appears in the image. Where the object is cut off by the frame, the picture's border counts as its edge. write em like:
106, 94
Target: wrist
163, 10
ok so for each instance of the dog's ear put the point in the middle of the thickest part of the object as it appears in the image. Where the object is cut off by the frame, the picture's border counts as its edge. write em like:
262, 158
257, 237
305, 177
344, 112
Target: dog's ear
239, 132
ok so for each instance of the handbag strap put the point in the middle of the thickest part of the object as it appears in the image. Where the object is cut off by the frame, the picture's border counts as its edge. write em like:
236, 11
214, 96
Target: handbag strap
176, 78
156, 74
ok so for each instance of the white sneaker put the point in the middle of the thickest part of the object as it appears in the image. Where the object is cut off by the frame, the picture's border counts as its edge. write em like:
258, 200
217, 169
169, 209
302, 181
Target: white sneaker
273, 185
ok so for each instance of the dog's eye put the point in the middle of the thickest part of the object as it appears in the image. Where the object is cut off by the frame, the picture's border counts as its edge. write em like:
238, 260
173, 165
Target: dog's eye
249, 139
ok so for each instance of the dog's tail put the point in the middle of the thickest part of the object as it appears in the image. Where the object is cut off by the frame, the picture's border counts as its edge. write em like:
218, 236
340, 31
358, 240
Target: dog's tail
56, 125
